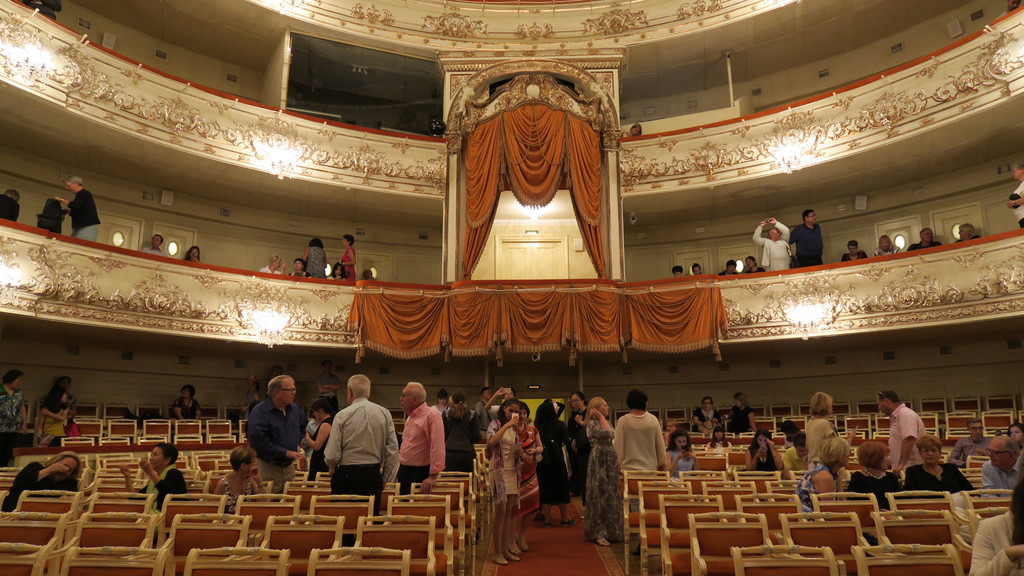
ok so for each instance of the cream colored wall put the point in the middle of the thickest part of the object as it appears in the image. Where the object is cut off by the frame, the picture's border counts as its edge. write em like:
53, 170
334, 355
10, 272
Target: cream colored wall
979, 193
181, 62
243, 240
579, 264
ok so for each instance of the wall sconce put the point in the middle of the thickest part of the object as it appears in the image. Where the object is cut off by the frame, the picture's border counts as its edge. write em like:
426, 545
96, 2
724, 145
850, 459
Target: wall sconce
267, 325
22, 54
10, 281
277, 146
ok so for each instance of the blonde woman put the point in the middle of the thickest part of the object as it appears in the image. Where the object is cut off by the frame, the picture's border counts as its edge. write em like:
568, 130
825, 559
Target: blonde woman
819, 427
603, 522
824, 475
58, 473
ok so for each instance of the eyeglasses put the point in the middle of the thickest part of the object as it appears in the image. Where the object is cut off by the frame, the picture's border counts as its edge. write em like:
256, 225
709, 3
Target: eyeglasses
287, 389
998, 452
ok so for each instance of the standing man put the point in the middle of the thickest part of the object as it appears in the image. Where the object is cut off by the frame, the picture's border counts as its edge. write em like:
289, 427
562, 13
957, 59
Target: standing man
421, 458
1016, 202
328, 384
481, 414
1001, 471
775, 254
807, 239
9, 207
85, 221
362, 445
275, 429
155, 246
905, 427
974, 445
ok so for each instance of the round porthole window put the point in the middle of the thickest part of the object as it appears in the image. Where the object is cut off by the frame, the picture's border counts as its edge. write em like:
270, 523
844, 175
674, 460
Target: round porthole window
740, 264
900, 241
172, 248
117, 239
954, 232
373, 272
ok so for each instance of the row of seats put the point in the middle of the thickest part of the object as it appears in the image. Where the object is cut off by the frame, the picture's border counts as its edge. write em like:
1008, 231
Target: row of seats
124, 432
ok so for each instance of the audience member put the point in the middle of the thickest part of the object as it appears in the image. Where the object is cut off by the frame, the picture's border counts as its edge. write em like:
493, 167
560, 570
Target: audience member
481, 415
825, 475
323, 413
750, 265
706, 417
243, 480
155, 247
579, 456
348, 257
461, 432
853, 252
85, 221
276, 427
1012, 5
1002, 469
369, 274
60, 472
636, 130
162, 478
503, 453
927, 241
362, 449
680, 455
718, 441
603, 522
795, 458
775, 248
966, 232
65, 383
338, 272
186, 407
529, 486
638, 443
742, 417
885, 246
1016, 432
762, 455
13, 414
328, 384
677, 271
421, 456
9, 207
251, 395
730, 268
905, 427
1016, 201
932, 474
274, 266
315, 259
696, 269
819, 426
48, 8
551, 470
299, 268
808, 241
874, 476
192, 254
998, 546
442, 401
789, 429
53, 416
976, 444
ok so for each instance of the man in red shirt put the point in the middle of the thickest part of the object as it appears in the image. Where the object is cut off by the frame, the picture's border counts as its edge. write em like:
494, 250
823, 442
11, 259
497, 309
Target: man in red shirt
422, 455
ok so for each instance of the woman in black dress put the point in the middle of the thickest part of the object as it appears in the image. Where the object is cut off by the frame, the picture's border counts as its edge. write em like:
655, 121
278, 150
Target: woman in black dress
58, 473
323, 412
934, 474
742, 418
551, 472
874, 477
460, 433
579, 453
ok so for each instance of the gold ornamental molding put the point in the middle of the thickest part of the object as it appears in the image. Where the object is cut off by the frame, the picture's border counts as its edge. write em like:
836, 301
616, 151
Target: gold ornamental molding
112, 92
982, 73
482, 27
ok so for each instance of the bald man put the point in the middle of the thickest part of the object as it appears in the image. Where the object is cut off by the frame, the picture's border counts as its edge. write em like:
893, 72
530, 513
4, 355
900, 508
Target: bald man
421, 457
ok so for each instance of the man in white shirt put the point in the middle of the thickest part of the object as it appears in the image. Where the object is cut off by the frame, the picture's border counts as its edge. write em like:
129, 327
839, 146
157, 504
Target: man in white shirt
155, 246
1016, 202
776, 245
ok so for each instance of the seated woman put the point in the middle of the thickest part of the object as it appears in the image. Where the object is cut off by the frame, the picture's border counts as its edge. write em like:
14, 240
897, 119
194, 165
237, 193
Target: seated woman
762, 455
680, 452
163, 478
299, 268
874, 476
718, 442
853, 252
58, 473
244, 477
998, 547
824, 476
934, 474
186, 407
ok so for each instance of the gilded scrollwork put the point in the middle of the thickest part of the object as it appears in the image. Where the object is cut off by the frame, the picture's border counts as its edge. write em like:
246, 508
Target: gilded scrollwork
107, 264
373, 15
454, 25
699, 8
535, 31
179, 117
911, 290
616, 21
368, 162
207, 280
156, 295
56, 277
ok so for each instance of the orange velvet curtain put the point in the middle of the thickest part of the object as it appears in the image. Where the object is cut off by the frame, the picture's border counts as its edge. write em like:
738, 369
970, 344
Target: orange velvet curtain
475, 319
531, 149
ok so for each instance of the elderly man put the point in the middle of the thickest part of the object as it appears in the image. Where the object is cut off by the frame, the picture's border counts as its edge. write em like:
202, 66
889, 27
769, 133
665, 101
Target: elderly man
422, 455
927, 241
1001, 470
974, 445
85, 221
776, 246
275, 428
362, 448
905, 427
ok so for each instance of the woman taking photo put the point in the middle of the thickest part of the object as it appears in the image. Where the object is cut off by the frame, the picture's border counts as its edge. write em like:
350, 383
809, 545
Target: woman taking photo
529, 487
680, 453
603, 522
762, 455
244, 478
503, 452
13, 414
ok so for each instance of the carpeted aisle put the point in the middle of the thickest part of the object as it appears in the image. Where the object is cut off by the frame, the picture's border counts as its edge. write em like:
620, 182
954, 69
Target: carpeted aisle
559, 551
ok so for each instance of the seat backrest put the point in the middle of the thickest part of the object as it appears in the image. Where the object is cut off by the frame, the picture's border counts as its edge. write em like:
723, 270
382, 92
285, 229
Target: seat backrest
237, 561
52, 501
864, 505
988, 498
651, 493
429, 505
785, 561
17, 559
759, 478
915, 527
347, 507
121, 502
260, 507
353, 561
715, 533
771, 505
676, 509
117, 529
176, 504
837, 530
37, 528
306, 490
303, 533
190, 531
114, 561
413, 533
902, 560
712, 462
697, 478
920, 500
729, 489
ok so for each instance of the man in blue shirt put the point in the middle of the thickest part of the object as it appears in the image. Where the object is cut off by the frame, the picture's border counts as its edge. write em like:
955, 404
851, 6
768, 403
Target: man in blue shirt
1000, 472
807, 239
275, 428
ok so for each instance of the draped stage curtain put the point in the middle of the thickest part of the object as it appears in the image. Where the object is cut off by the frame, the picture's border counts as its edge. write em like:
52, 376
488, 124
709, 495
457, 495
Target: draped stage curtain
479, 318
532, 148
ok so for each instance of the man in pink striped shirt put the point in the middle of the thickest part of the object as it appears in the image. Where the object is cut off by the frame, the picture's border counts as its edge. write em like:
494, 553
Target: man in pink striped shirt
421, 457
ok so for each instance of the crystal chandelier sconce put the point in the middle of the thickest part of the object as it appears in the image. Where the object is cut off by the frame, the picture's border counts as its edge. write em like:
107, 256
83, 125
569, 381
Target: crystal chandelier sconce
22, 54
10, 281
277, 146
267, 325
808, 318
794, 141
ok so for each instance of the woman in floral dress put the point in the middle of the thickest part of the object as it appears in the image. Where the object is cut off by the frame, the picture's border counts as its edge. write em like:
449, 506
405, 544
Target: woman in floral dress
529, 489
503, 455
603, 521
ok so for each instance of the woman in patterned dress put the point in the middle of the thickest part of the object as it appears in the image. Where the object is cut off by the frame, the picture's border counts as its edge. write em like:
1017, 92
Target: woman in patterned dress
529, 488
244, 477
503, 454
603, 521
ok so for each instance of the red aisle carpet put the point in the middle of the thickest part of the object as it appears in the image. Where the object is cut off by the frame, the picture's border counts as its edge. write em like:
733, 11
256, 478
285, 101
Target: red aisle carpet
559, 551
